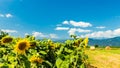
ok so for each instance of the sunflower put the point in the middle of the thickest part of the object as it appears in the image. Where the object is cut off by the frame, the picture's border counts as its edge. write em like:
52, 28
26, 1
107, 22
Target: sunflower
35, 59
52, 45
6, 39
22, 46
86, 41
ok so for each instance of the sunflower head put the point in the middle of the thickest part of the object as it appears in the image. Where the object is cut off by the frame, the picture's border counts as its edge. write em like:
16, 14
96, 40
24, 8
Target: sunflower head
6, 39
22, 46
35, 59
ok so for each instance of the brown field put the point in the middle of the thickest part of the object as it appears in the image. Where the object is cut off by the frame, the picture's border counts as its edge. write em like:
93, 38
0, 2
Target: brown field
102, 58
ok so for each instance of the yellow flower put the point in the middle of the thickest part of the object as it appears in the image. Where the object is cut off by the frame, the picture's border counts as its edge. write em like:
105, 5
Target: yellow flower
57, 45
34, 59
86, 41
22, 46
52, 45
6, 39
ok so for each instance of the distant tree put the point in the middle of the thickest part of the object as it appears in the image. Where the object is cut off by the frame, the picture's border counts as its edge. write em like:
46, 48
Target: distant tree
30, 37
96, 45
88, 46
73, 36
3, 34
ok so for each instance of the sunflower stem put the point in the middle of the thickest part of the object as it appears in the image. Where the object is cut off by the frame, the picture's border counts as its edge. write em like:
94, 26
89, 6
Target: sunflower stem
48, 63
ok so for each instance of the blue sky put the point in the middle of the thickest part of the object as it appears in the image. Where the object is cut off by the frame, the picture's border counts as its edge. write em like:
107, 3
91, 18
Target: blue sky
57, 19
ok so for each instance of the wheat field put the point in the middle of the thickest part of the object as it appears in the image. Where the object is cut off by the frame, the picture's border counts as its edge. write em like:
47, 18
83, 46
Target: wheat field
102, 58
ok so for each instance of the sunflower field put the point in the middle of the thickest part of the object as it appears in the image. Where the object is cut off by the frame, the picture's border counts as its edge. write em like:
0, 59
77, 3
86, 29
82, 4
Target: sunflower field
28, 52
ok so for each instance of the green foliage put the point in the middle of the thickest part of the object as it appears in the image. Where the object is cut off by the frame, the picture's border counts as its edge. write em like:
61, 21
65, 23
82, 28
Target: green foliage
96, 46
44, 54
3, 34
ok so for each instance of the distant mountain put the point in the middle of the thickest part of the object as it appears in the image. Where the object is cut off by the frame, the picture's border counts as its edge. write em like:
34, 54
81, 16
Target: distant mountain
103, 42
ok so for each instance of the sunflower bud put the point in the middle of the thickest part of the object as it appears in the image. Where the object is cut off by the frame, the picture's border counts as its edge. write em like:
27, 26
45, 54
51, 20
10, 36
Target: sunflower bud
35, 59
6, 39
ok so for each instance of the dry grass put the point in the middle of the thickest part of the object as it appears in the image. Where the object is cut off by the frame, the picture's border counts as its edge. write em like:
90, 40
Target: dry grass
102, 58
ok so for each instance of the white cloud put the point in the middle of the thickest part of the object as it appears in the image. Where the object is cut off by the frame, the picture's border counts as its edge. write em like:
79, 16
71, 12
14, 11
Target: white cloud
42, 35
116, 32
101, 27
39, 34
8, 15
53, 36
75, 24
62, 28
65, 22
80, 24
72, 31
26, 34
9, 31
103, 34
1, 15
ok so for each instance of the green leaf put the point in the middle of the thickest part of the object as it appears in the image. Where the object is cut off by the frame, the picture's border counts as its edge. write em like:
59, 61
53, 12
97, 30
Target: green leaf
26, 61
43, 52
65, 64
48, 63
59, 62
4, 65
82, 66
68, 50
27, 64
72, 58
61, 49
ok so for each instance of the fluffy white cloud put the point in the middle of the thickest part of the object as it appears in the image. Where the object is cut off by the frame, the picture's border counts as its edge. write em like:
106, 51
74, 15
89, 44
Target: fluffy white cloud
6, 15
80, 24
74, 30
26, 34
42, 35
9, 31
39, 34
53, 36
77, 24
101, 27
62, 28
103, 34
65, 22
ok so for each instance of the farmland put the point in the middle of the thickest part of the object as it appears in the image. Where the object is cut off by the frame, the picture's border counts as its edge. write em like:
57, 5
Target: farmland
102, 58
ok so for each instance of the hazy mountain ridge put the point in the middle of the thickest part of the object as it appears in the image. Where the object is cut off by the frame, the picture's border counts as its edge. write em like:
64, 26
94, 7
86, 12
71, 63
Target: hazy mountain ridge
104, 42
110, 41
